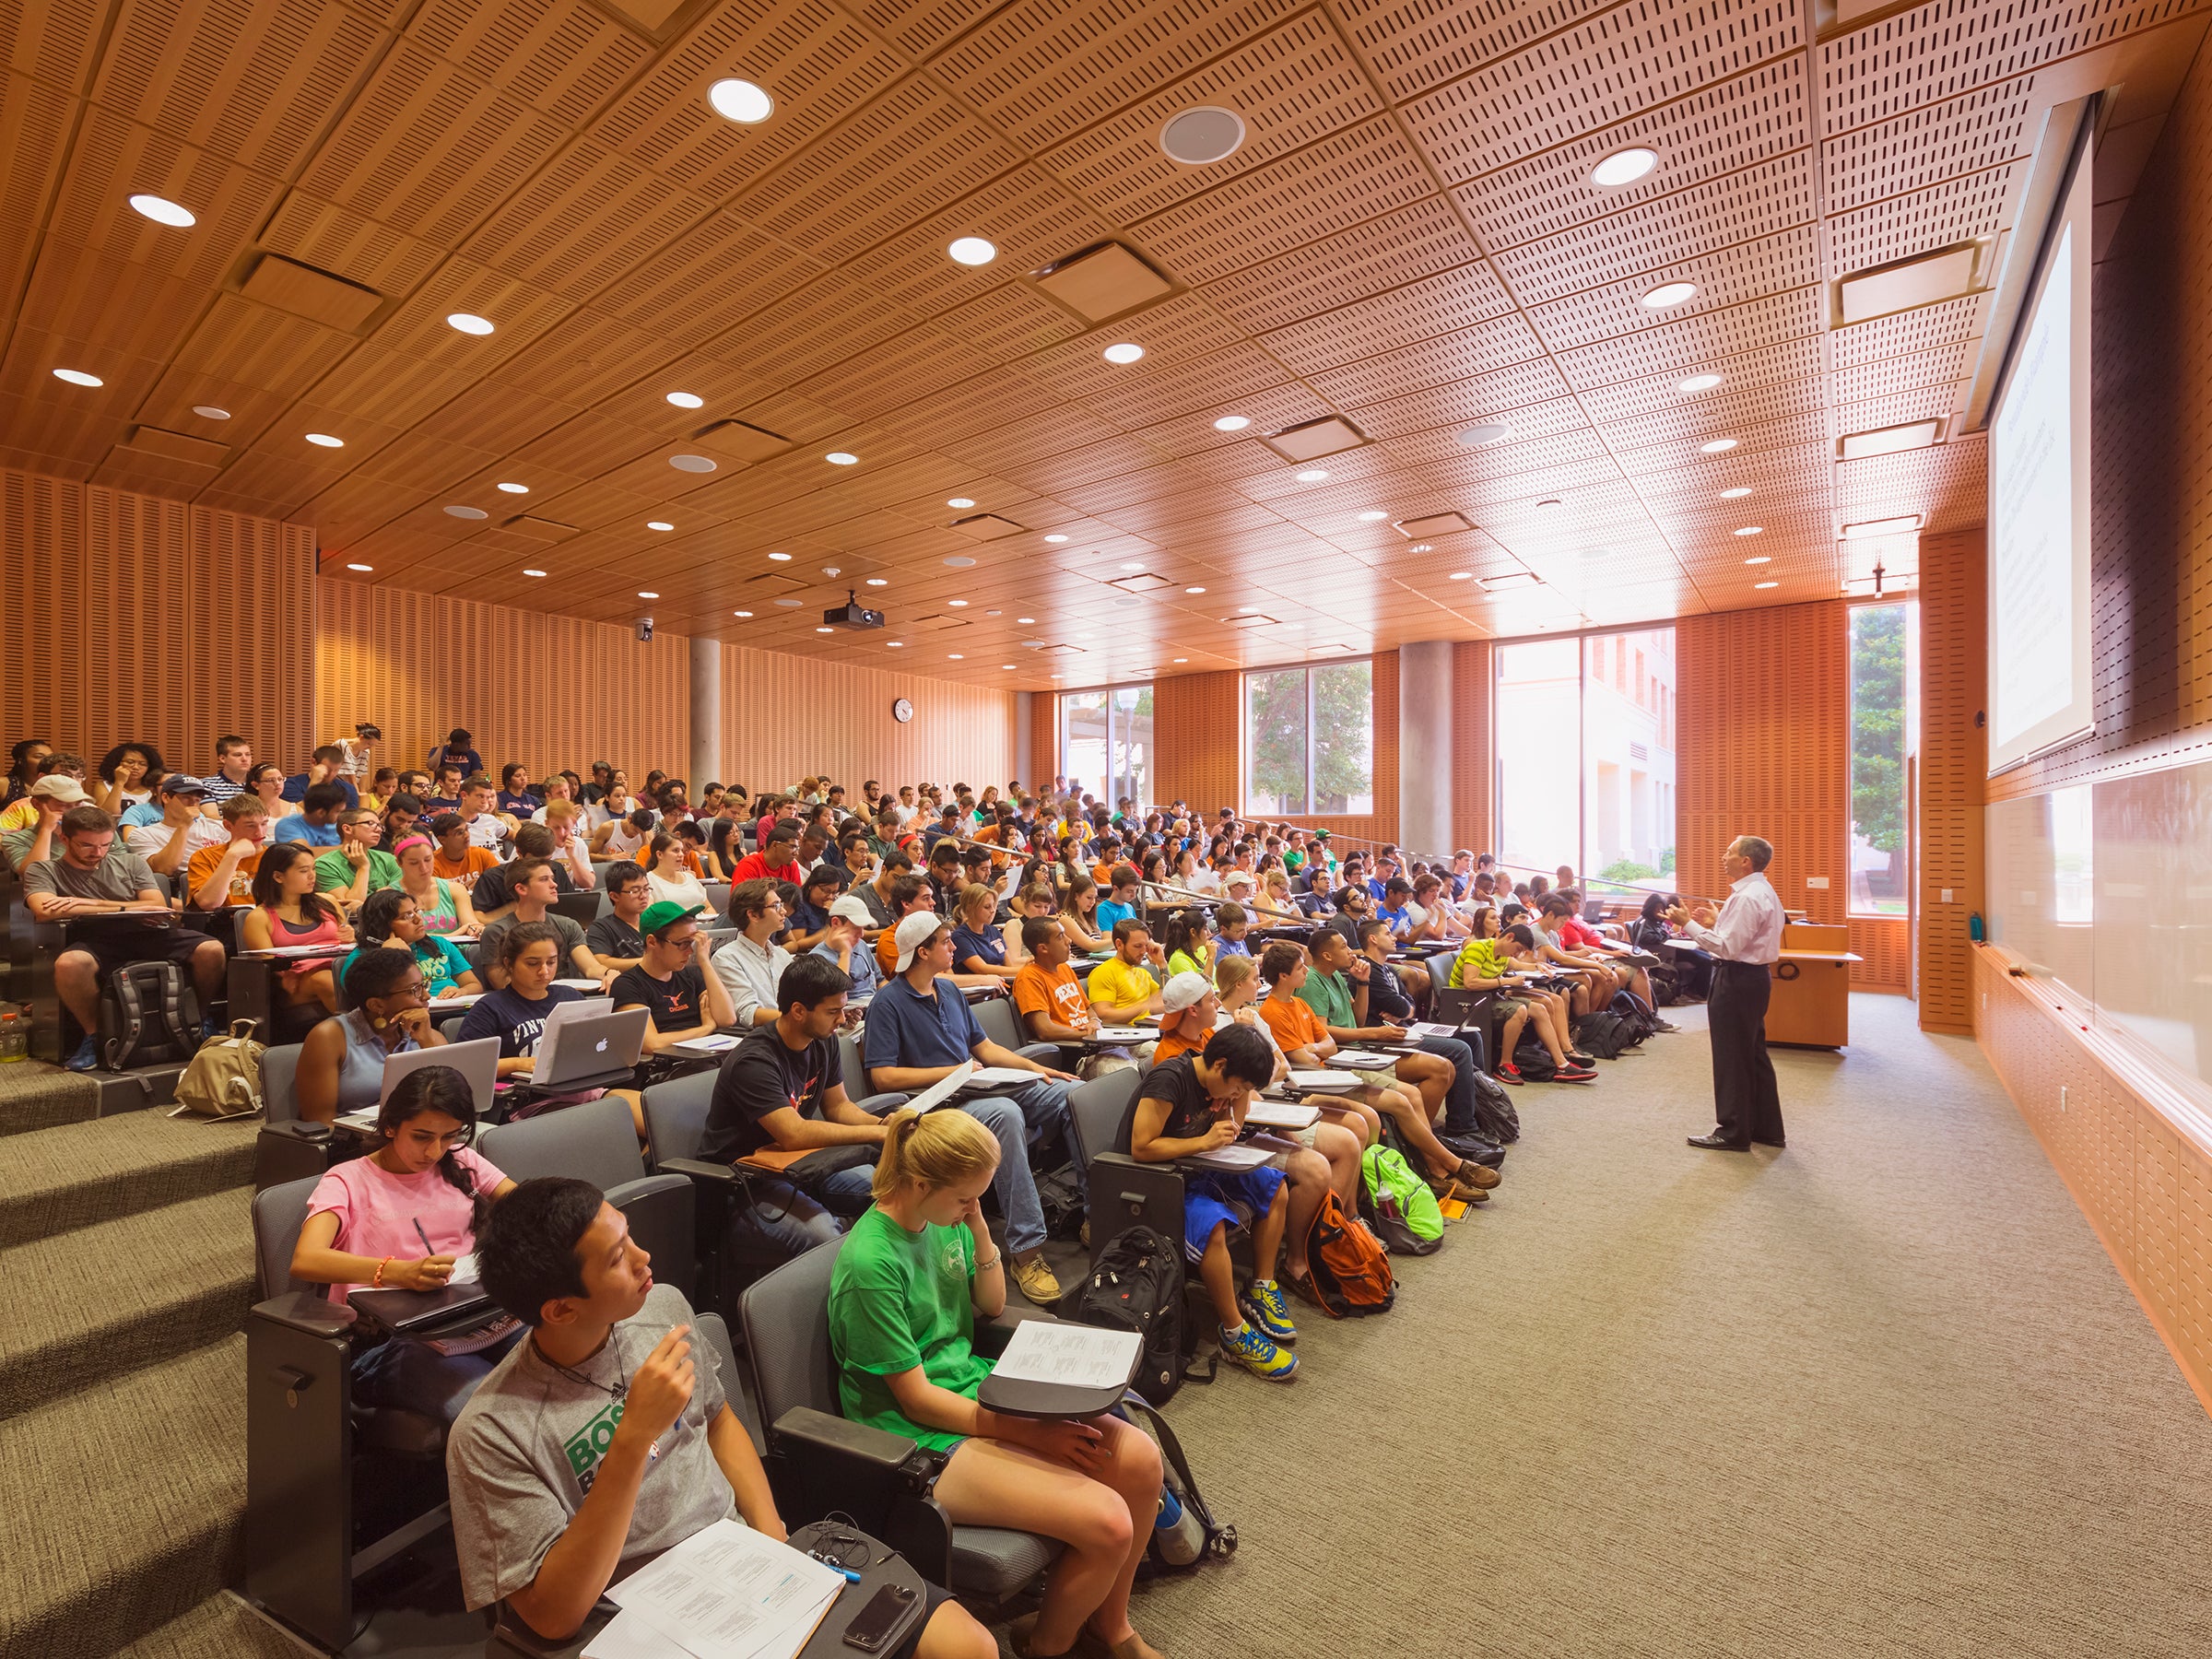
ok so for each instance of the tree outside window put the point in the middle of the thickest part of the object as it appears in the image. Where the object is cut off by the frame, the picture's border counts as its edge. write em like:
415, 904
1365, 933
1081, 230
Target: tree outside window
1879, 712
1309, 740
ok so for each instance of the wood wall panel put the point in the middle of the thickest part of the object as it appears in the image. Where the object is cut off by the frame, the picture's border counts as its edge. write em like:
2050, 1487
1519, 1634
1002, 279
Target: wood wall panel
785, 717
130, 616
1474, 771
547, 690
1764, 705
1954, 770
1044, 758
1885, 944
2140, 1171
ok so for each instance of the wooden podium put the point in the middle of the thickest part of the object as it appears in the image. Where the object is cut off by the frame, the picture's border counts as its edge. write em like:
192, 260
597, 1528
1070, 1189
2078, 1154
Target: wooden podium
1810, 1006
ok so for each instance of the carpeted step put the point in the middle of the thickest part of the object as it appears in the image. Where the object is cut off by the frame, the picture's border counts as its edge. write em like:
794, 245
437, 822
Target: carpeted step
36, 1096
126, 1504
53, 1181
106, 1299
222, 1627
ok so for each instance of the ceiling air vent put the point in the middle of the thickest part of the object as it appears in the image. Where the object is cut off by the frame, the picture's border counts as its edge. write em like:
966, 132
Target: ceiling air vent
1310, 440
539, 529
985, 526
177, 446
742, 441
1253, 620
1145, 581
1509, 581
307, 292
1432, 524
1104, 282
1888, 441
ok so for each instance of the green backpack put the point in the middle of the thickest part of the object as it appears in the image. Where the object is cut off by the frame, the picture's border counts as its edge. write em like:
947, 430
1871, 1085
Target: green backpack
1405, 1211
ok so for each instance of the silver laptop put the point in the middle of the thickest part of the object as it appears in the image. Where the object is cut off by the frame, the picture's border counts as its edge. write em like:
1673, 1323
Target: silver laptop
590, 1045
478, 1061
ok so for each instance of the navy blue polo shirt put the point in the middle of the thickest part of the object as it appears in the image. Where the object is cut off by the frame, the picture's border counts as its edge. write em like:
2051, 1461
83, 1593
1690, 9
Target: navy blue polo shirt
907, 1029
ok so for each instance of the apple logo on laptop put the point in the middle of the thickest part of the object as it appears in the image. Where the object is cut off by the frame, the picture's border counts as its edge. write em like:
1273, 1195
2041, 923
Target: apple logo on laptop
601, 1047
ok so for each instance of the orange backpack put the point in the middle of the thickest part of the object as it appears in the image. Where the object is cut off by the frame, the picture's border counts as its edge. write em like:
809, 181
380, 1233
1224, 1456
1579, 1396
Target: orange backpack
1352, 1272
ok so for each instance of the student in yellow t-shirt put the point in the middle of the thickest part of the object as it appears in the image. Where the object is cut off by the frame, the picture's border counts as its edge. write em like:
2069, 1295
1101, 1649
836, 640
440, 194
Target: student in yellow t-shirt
1123, 988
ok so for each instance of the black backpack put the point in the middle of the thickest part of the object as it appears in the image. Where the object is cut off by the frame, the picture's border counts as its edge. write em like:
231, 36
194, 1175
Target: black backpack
1667, 983
1494, 1113
1532, 1060
155, 1018
1633, 1013
1135, 1284
1604, 1034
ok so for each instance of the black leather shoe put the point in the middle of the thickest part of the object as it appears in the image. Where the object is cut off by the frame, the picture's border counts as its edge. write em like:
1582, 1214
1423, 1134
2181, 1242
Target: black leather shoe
1717, 1141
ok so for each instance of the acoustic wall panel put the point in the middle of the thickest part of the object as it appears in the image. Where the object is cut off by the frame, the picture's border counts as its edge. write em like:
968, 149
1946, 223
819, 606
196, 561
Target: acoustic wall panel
1472, 760
1883, 943
152, 619
550, 691
1954, 766
1763, 711
1197, 737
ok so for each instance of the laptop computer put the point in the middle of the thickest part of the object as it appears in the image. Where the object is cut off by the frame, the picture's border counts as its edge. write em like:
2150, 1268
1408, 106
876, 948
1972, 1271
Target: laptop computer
477, 1061
589, 1043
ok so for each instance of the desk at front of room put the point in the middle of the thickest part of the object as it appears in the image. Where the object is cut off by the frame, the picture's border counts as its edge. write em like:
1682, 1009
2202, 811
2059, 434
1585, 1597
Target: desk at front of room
1810, 1006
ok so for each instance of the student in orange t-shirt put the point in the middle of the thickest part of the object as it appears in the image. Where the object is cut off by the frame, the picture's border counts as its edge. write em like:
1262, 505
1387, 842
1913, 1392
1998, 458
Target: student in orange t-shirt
1305, 1042
223, 874
454, 859
1047, 995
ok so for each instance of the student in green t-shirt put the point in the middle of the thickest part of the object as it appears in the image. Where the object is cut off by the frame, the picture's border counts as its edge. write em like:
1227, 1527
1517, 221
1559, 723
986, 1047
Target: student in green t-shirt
389, 918
913, 1274
353, 869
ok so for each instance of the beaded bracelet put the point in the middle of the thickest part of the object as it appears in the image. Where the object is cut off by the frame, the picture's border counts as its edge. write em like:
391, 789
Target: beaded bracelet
378, 1282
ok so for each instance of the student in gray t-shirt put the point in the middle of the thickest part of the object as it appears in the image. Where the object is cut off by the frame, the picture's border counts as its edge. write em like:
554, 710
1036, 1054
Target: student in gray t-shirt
606, 1435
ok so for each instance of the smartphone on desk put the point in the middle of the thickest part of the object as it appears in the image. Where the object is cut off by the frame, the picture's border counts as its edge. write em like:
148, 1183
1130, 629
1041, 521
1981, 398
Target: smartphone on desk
872, 1627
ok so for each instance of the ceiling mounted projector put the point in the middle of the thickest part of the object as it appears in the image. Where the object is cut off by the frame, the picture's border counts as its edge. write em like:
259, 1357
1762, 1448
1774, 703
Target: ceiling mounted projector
852, 615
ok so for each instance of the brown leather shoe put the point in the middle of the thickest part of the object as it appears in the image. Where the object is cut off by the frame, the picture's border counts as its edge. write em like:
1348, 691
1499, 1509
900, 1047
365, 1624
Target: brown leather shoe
1480, 1175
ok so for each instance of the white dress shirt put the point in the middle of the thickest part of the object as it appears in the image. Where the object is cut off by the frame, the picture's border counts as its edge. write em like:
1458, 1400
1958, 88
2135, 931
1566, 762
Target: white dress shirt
1748, 928
751, 973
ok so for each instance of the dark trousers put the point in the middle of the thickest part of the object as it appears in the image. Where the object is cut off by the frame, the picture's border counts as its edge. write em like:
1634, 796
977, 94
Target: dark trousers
1459, 1100
1747, 1104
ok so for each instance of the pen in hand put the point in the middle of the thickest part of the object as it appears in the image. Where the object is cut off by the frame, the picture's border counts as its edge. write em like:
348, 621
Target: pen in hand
424, 1237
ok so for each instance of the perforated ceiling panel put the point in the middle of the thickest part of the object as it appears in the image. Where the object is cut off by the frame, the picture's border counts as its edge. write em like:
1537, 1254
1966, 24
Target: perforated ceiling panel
1408, 237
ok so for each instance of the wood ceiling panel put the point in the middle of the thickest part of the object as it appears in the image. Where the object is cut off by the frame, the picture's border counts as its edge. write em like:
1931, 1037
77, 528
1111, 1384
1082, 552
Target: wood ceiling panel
1345, 179
920, 27
56, 44
1946, 365
1664, 232
356, 506
1898, 409
921, 363
559, 56
1448, 304
1959, 210
1291, 86
1752, 270
1986, 128
1480, 398
998, 449
339, 241
1030, 217
1722, 129
588, 356
1011, 320
171, 404
34, 129
703, 285
1767, 366
1681, 346
592, 217
1421, 241
1947, 323
1194, 434
255, 82
111, 305
1668, 455
520, 314
1441, 440
66, 436
827, 322
1714, 414
1572, 81
1575, 454
429, 149
1178, 388
1490, 346
389, 387
114, 159
502, 417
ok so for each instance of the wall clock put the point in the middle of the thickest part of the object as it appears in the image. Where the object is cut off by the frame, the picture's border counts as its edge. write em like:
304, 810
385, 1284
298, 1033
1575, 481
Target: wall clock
902, 710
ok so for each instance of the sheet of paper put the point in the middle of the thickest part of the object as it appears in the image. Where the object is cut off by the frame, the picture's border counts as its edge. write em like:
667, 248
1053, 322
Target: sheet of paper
465, 1269
454, 1005
1003, 1074
1279, 1114
1232, 1157
728, 1592
1076, 1354
633, 1636
1325, 1082
944, 1088
1361, 1060
714, 1043
580, 984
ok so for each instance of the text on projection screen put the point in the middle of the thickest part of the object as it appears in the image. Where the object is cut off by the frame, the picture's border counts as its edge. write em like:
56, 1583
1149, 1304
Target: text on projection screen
2031, 479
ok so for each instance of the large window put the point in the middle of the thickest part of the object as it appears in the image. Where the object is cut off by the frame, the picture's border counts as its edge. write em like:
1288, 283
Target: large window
1585, 746
1310, 741
1106, 742
1883, 653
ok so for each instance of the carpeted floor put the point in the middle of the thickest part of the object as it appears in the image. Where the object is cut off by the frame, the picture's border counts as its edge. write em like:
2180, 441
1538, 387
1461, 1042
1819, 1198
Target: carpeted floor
1882, 1393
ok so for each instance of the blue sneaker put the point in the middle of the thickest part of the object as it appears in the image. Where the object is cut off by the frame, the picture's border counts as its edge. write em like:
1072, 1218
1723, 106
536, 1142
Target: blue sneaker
87, 1056
1247, 1347
1264, 1305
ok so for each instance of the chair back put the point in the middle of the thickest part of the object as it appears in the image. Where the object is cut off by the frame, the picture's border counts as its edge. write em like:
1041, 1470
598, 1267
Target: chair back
786, 1320
279, 1086
849, 1057
676, 1114
280, 1212
592, 1141
1440, 969
580, 908
1099, 1111
999, 1021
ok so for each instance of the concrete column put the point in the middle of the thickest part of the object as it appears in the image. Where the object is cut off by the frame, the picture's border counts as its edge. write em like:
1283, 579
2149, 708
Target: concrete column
1425, 745
1025, 712
706, 713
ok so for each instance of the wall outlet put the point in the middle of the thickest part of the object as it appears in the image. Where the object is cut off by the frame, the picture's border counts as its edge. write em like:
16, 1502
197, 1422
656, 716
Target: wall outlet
2062, 1096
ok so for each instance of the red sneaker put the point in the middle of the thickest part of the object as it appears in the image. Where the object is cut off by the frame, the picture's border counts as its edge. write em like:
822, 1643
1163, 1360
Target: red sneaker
1571, 1073
1509, 1073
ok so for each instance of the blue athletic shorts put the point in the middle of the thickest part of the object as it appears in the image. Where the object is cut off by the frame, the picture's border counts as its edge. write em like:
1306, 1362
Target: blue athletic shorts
1232, 1196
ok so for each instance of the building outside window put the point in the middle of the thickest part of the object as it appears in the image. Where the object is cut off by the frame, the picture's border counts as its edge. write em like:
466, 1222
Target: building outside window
1106, 742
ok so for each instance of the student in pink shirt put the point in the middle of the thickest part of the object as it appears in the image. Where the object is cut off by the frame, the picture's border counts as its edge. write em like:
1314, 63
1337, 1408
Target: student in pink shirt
403, 1218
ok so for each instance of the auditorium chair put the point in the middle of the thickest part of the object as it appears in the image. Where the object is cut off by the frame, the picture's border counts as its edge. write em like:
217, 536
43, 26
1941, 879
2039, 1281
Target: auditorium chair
1002, 1023
595, 1141
1124, 1192
821, 1463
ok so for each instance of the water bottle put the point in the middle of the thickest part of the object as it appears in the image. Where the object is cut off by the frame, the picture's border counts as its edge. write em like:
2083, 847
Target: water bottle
1176, 1534
15, 1036
1973, 927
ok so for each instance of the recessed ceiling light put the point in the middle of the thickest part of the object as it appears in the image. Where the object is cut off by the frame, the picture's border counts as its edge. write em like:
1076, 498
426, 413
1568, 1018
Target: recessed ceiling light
515, 489
1373, 518
955, 656
960, 501
324, 441
894, 645
1752, 530
992, 613
971, 251
647, 593
1736, 492
467, 513
1668, 293
1183, 659
1127, 351
1488, 431
209, 412
1423, 548
360, 567
1760, 558
1132, 564
839, 458
691, 463
1312, 474
1058, 676
77, 377
1550, 501
468, 322
1024, 619
788, 603
1194, 590
958, 604
825, 630
1719, 446
960, 561
658, 524
741, 102
1623, 167
1766, 584
1461, 575
1055, 539
686, 400
781, 557
164, 212
1698, 382
533, 573
741, 613
878, 582
1232, 423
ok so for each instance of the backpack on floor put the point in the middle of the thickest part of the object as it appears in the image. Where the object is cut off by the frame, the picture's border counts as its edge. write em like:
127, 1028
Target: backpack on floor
1185, 1531
1402, 1210
1602, 1033
1637, 1015
1494, 1113
1472, 1148
1351, 1272
1666, 984
155, 1018
1135, 1284
223, 1081
1534, 1062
